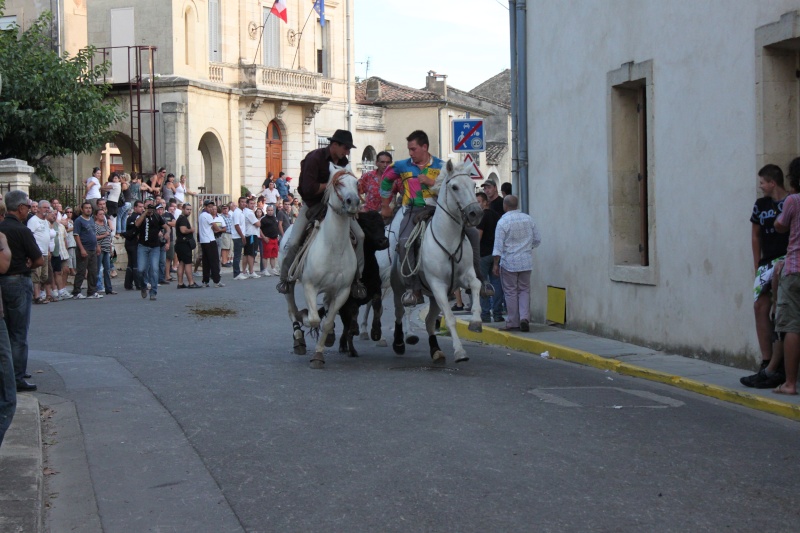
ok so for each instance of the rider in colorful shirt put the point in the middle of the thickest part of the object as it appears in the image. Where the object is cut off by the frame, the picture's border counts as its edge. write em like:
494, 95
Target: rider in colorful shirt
418, 174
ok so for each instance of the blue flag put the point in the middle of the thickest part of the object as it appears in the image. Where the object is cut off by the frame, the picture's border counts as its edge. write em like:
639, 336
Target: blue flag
319, 7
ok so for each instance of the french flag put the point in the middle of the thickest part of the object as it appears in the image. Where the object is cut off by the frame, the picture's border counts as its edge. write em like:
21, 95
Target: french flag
279, 9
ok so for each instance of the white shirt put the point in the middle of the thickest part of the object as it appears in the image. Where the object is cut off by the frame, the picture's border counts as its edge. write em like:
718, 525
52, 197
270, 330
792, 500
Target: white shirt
40, 228
249, 222
205, 232
238, 219
92, 188
221, 221
113, 194
180, 193
271, 196
516, 235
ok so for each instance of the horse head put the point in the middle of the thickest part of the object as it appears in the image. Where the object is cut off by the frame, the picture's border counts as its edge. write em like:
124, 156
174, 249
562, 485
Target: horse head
341, 194
456, 194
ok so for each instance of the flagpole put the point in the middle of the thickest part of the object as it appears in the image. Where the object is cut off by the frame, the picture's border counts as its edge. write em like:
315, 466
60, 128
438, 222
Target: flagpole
301, 36
260, 37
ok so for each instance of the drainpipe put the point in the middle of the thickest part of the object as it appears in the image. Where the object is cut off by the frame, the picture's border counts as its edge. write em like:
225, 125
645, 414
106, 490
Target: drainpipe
522, 103
349, 64
512, 16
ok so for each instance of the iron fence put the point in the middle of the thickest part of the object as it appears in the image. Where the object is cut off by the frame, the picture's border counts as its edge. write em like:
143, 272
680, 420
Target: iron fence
68, 195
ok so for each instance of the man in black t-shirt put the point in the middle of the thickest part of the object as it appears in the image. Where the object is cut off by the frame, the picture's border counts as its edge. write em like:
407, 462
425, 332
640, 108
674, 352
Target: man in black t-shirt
495, 201
149, 229
486, 230
768, 247
131, 245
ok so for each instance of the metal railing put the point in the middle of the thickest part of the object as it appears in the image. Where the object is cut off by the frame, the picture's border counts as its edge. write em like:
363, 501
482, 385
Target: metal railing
68, 195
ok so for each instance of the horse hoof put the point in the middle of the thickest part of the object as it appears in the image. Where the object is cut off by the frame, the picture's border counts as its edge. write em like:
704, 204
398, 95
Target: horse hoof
375, 333
300, 350
353, 354
438, 357
364, 336
299, 342
399, 349
461, 356
330, 340
412, 339
318, 361
382, 343
476, 326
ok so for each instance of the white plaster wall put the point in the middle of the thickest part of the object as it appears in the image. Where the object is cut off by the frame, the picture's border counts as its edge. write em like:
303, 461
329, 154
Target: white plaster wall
704, 165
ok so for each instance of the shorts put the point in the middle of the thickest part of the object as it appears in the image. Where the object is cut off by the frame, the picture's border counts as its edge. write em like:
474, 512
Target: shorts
55, 263
112, 208
787, 318
225, 241
71, 259
41, 274
170, 254
184, 252
250, 245
269, 249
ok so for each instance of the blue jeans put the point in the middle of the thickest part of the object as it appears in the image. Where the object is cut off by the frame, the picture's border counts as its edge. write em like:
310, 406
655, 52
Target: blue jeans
104, 270
17, 302
162, 265
238, 244
122, 216
495, 302
147, 263
8, 386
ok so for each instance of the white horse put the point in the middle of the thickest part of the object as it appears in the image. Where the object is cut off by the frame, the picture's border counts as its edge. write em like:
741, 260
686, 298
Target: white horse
401, 315
329, 266
446, 256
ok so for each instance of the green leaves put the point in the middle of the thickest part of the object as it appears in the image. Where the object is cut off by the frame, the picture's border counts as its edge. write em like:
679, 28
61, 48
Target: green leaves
50, 106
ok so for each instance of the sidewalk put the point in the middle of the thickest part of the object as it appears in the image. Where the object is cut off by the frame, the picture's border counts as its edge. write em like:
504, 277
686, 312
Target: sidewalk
695, 375
21, 470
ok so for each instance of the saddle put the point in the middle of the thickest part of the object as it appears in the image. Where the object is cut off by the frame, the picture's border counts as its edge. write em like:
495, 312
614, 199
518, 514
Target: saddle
425, 214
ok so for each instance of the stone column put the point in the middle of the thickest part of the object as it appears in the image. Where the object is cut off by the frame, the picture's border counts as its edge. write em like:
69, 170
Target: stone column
174, 116
16, 174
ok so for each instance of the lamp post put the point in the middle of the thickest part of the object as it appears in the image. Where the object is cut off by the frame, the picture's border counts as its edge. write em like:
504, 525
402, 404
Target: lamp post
389, 148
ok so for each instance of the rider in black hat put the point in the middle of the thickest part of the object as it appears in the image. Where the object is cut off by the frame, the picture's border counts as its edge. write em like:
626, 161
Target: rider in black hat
314, 175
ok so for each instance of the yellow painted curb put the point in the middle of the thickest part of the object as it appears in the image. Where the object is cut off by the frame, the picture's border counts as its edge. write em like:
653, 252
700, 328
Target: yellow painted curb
557, 351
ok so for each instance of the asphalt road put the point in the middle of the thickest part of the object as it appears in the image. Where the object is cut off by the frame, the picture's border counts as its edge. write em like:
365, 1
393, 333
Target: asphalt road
165, 421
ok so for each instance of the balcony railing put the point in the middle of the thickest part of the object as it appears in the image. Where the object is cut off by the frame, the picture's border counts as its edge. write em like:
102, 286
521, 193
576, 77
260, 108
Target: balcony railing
215, 73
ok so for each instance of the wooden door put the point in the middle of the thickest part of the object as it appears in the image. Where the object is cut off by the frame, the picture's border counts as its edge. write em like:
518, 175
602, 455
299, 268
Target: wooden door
274, 149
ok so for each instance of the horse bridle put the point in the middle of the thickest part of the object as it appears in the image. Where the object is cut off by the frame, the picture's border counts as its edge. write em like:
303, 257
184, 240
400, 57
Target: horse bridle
335, 184
463, 220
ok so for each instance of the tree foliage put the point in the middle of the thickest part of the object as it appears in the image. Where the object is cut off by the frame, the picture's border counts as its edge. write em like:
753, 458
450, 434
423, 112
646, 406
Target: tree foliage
50, 106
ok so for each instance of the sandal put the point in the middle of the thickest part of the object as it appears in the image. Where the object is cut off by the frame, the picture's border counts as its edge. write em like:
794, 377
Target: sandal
40, 301
781, 389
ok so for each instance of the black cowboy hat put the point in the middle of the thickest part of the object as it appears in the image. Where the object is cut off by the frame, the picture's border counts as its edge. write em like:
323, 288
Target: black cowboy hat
342, 137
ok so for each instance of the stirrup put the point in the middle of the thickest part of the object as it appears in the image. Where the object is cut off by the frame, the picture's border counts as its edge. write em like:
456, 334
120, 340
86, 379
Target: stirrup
283, 286
409, 299
358, 290
487, 290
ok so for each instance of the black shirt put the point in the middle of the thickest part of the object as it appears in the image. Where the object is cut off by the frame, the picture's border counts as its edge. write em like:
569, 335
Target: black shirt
269, 227
22, 244
131, 231
488, 225
150, 231
315, 170
496, 205
773, 244
183, 222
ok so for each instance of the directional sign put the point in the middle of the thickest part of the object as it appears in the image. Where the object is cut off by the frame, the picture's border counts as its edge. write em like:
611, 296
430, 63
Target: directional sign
468, 135
474, 172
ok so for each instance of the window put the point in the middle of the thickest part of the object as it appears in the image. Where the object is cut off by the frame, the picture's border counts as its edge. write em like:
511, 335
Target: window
322, 141
8, 22
271, 42
323, 40
630, 198
189, 35
214, 39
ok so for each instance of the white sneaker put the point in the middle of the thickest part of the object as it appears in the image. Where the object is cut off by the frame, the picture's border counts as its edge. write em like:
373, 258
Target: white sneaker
276, 272
254, 275
220, 284
242, 276
79, 296
266, 272
95, 296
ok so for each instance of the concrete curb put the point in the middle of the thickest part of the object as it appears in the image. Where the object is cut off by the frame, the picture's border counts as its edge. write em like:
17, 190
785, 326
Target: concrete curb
21, 474
563, 353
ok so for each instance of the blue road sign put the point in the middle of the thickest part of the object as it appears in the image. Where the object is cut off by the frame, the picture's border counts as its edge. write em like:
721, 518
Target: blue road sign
468, 135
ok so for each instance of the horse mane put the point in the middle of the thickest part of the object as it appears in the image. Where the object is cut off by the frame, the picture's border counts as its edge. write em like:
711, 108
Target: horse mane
332, 183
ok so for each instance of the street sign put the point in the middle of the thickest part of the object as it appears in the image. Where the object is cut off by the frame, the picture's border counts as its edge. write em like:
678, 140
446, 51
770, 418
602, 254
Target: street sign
474, 171
468, 135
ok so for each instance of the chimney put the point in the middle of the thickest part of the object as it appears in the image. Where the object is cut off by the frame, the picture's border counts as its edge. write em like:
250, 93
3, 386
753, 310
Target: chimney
436, 83
373, 89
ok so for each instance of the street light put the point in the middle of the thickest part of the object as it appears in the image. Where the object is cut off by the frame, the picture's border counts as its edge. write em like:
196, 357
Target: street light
389, 148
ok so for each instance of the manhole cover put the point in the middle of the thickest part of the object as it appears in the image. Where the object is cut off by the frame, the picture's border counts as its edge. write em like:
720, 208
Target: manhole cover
604, 397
